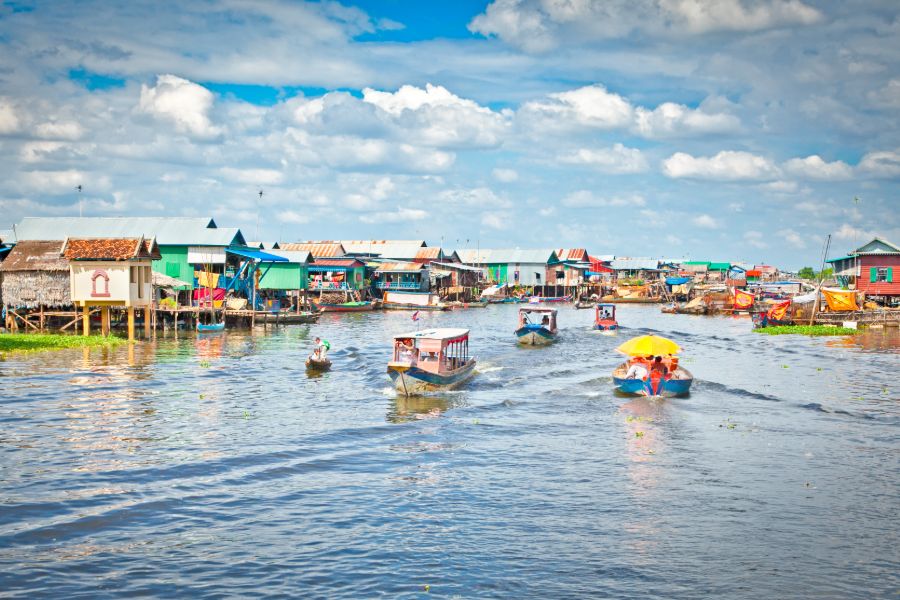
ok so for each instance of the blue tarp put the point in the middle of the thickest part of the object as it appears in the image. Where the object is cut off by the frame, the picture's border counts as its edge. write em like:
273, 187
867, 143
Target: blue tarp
677, 280
256, 255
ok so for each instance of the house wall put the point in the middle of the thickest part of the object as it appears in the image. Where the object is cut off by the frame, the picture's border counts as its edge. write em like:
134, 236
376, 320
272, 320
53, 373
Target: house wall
284, 276
528, 274
882, 288
114, 281
174, 263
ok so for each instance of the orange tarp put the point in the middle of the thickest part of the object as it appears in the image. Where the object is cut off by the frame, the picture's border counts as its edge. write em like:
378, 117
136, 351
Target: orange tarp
840, 300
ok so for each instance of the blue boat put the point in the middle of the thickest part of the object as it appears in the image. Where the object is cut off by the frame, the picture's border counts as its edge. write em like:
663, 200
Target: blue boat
540, 333
605, 318
430, 360
201, 328
676, 383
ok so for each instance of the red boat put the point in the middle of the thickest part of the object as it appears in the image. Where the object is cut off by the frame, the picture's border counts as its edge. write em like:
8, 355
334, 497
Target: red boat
605, 318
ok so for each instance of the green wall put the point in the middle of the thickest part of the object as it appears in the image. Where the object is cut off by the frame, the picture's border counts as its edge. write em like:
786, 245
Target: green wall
284, 276
174, 263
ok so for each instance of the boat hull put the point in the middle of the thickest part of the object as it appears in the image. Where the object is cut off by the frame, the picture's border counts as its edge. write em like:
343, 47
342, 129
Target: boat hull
535, 335
680, 385
214, 328
348, 307
607, 327
549, 300
318, 365
401, 306
411, 381
287, 318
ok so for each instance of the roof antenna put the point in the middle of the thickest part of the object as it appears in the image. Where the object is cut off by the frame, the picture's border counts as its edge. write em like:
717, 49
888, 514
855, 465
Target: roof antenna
80, 211
257, 213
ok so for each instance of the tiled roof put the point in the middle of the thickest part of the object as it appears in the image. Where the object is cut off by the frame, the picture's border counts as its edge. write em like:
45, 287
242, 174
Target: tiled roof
389, 249
399, 267
337, 262
110, 249
572, 254
432, 253
35, 255
325, 249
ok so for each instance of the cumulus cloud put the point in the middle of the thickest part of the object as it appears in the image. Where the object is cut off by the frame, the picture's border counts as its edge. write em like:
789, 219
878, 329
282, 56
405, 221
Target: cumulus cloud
9, 119
541, 25
792, 237
705, 221
884, 164
596, 107
587, 199
253, 176
495, 220
814, 167
181, 102
617, 159
59, 130
755, 239
480, 197
724, 166
888, 96
849, 232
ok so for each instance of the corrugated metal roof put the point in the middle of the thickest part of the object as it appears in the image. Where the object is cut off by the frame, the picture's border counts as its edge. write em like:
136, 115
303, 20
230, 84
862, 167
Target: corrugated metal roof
35, 255
507, 256
432, 253
879, 246
400, 267
634, 264
579, 254
324, 249
110, 249
297, 256
168, 231
390, 249
456, 267
338, 262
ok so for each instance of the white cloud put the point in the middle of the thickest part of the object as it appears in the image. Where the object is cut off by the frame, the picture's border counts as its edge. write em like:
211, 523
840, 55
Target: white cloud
64, 182
592, 106
755, 239
881, 164
724, 166
59, 130
705, 221
792, 237
9, 120
398, 216
669, 119
253, 176
293, 217
480, 197
505, 175
813, 167
887, 96
849, 232
182, 103
540, 25
617, 159
587, 199
495, 220
781, 187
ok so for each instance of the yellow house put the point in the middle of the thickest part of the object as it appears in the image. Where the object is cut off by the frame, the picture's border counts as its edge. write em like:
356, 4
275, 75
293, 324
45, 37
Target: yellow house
111, 272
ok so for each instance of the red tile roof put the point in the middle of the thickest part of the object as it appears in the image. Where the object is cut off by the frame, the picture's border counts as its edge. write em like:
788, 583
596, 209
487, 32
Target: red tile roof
337, 262
572, 254
110, 249
317, 249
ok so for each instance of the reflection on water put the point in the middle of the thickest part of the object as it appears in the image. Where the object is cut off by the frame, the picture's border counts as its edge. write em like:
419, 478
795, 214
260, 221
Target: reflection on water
200, 466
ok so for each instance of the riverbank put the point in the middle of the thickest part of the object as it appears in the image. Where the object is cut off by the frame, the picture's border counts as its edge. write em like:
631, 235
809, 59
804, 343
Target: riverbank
813, 330
34, 342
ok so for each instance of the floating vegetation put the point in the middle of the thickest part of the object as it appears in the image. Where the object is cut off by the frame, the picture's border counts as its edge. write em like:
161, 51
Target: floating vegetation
32, 342
813, 330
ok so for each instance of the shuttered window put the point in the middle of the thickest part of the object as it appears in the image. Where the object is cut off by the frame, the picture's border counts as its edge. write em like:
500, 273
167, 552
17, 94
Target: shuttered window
890, 275
873, 275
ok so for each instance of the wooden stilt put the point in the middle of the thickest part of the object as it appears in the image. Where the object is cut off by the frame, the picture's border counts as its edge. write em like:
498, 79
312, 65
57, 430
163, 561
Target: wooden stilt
148, 314
130, 310
86, 320
104, 321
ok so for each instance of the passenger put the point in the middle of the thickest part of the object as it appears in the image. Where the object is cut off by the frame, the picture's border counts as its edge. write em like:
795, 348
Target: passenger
322, 347
545, 320
637, 370
658, 366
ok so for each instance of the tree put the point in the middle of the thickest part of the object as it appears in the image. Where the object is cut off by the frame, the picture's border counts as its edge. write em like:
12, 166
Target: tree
806, 273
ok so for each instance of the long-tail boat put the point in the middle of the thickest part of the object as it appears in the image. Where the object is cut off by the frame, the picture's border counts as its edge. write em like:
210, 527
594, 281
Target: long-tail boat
430, 360
540, 333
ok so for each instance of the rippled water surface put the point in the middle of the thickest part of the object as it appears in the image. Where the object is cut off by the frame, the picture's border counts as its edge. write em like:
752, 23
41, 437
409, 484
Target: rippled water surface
214, 467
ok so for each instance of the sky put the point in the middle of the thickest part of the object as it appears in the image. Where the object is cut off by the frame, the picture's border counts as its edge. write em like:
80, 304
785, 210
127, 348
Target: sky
706, 129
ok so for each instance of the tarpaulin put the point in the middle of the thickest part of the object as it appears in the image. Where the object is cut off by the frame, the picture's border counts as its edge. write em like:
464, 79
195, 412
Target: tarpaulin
840, 300
777, 312
743, 300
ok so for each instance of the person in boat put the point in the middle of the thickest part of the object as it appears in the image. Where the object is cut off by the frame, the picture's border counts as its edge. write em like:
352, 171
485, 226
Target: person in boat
406, 350
657, 366
546, 320
322, 348
637, 370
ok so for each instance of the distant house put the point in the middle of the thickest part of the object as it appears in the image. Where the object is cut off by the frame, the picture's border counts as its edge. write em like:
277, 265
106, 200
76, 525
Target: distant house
35, 275
573, 267
398, 250
184, 242
324, 249
635, 268
336, 274
402, 276
513, 266
292, 275
872, 268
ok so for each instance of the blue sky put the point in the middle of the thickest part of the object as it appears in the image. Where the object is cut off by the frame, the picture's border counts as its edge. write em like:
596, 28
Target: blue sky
724, 130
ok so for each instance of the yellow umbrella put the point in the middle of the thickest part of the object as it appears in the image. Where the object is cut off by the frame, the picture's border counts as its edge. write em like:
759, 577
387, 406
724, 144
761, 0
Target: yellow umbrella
649, 345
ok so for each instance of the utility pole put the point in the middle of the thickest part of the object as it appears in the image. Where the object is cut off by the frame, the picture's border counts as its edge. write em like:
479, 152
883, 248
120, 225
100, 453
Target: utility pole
257, 214
80, 211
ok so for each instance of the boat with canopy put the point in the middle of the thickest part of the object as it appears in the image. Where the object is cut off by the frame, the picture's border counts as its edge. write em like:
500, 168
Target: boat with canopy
430, 360
537, 325
605, 318
652, 368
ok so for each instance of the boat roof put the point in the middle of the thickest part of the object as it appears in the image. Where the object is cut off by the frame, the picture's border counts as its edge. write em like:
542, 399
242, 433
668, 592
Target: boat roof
543, 309
447, 333
606, 304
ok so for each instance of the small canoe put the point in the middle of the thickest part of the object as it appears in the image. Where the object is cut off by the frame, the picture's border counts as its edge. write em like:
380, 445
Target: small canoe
677, 383
318, 365
347, 307
201, 328
582, 304
549, 299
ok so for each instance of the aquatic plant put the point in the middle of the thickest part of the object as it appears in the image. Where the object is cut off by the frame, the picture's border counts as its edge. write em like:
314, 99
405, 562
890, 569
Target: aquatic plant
31, 342
814, 330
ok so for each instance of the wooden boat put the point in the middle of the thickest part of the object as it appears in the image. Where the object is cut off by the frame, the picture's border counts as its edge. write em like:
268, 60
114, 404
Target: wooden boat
213, 328
430, 360
581, 304
537, 334
290, 318
412, 301
605, 318
314, 364
346, 306
677, 383
457, 305
546, 299
632, 300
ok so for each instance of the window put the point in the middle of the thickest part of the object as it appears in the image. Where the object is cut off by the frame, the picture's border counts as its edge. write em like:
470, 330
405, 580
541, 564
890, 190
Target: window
560, 275
881, 275
537, 276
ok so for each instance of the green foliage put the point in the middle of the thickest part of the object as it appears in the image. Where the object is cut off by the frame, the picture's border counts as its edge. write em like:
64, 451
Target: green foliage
809, 273
814, 330
28, 342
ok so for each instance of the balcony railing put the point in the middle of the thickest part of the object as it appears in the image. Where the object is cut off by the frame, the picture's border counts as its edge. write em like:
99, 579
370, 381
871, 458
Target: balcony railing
328, 285
398, 285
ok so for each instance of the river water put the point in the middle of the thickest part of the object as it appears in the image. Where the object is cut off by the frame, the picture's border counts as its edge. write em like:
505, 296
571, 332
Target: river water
214, 467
